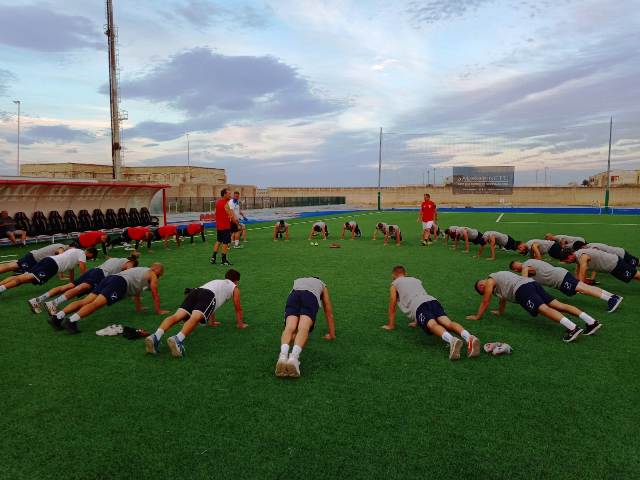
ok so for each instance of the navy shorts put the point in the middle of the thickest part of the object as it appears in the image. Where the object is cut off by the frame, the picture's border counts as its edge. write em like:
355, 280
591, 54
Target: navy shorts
44, 270
624, 271
478, 240
234, 228
302, 302
511, 243
429, 311
200, 300
113, 288
26, 263
556, 251
93, 277
531, 296
569, 285
223, 236
630, 259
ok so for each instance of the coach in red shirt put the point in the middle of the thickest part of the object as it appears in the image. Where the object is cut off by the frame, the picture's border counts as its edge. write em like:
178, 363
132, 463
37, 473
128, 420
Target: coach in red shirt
224, 217
428, 215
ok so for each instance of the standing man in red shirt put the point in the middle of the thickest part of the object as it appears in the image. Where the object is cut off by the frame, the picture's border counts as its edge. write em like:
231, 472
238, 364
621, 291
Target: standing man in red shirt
428, 215
224, 217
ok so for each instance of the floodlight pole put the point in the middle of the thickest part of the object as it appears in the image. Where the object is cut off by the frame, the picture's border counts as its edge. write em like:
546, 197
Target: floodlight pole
606, 193
379, 170
17, 102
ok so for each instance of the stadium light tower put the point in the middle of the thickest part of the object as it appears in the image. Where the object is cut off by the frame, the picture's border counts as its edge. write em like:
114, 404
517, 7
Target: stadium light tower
606, 193
379, 170
116, 147
18, 103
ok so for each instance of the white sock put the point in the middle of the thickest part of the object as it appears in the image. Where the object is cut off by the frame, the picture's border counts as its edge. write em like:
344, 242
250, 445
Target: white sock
284, 349
158, 334
586, 318
180, 336
236, 242
2, 288
59, 300
465, 335
447, 337
295, 353
43, 297
568, 324
605, 295
75, 318
60, 315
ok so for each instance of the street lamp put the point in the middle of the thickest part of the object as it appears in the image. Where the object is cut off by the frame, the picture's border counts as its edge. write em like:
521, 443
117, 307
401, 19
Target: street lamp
188, 152
17, 102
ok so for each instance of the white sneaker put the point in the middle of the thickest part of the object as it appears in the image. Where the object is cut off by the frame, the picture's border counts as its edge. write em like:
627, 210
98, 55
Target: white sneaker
51, 308
293, 367
473, 347
34, 305
281, 366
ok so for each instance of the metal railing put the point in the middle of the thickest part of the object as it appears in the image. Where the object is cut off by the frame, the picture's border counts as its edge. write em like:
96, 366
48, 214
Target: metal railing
207, 204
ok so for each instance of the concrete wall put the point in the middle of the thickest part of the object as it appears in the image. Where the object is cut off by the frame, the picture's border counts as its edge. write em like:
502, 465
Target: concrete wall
411, 195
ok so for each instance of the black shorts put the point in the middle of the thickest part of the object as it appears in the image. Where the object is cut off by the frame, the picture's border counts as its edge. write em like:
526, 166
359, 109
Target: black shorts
302, 302
26, 263
199, 300
428, 311
44, 270
511, 243
569, 285
630, 259
93, 277
223, 236
113, 288
478, 240
531, 296
235, 228
624, 271
556, 251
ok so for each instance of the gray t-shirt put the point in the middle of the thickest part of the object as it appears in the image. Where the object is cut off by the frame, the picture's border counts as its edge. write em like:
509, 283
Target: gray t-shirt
113, 266
44, 252
507, 284
546, 274
411, 294
472, 233
607, 248
136, 281
281, 227
599, 261
569, 239
352, 224
501, 238
310, 284
543, 245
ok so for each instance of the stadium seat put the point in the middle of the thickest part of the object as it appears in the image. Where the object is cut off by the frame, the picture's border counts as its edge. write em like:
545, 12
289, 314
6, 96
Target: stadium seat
134, 217
99, 221
22, 222
147, 219
39, 224
71, 223
110, 219
123, 218
56, 224
85, 222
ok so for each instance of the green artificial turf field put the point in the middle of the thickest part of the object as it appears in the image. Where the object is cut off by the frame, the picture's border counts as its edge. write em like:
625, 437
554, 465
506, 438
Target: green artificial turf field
371, 404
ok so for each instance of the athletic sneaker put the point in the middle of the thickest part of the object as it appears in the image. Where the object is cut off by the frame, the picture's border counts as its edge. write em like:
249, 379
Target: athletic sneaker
238, 246
293, 367
226, 263
212, 261
429, 242
473, 347
69, 326
281, 366
176, 347
423, 243
55, 322
593, 328
152, 345
571, 335
51, 308
613, 303
34, 305
454, 349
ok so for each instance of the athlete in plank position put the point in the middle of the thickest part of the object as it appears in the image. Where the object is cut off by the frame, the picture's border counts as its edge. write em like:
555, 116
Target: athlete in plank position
300, 319
319, 228
194, 229
509, 287
390, 232
451, 233
279, 229
164, 233
537, 248
469, 235
27, 262
200, 306
494, 238
426, 312
128, 283
619, 251
83, 284
92, 239
600, 261
568, 242
49, 267
351, 226
561, 279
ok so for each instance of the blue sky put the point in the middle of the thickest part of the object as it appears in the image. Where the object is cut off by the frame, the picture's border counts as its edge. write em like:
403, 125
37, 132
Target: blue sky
293, 92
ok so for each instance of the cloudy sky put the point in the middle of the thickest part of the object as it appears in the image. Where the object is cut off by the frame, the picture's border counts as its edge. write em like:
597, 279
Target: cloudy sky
293, 92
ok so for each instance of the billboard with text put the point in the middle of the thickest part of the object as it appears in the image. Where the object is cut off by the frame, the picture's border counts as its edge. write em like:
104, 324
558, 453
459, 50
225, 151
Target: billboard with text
483, 180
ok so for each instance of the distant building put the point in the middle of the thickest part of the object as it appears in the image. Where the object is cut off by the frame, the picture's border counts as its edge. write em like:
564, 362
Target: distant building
618, 178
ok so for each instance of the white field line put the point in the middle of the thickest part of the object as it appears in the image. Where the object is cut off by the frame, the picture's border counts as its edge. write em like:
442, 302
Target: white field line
581, 223
499, 218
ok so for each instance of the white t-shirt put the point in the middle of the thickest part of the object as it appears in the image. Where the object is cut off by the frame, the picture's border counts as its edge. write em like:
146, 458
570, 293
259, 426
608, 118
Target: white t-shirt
222, 289
235, 207
69, 259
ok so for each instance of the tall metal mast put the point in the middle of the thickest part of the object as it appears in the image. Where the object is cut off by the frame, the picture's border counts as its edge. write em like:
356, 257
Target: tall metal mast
110, 32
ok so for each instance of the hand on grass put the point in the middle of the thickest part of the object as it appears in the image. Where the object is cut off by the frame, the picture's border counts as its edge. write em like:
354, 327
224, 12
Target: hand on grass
328, 336
472, 317
214, 323
242, 325
496, 313
412, 324
387, 327
160, 312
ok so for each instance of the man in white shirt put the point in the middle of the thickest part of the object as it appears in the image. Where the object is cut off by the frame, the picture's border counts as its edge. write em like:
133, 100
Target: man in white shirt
281, 229
237, 229
200, 306
319, 228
